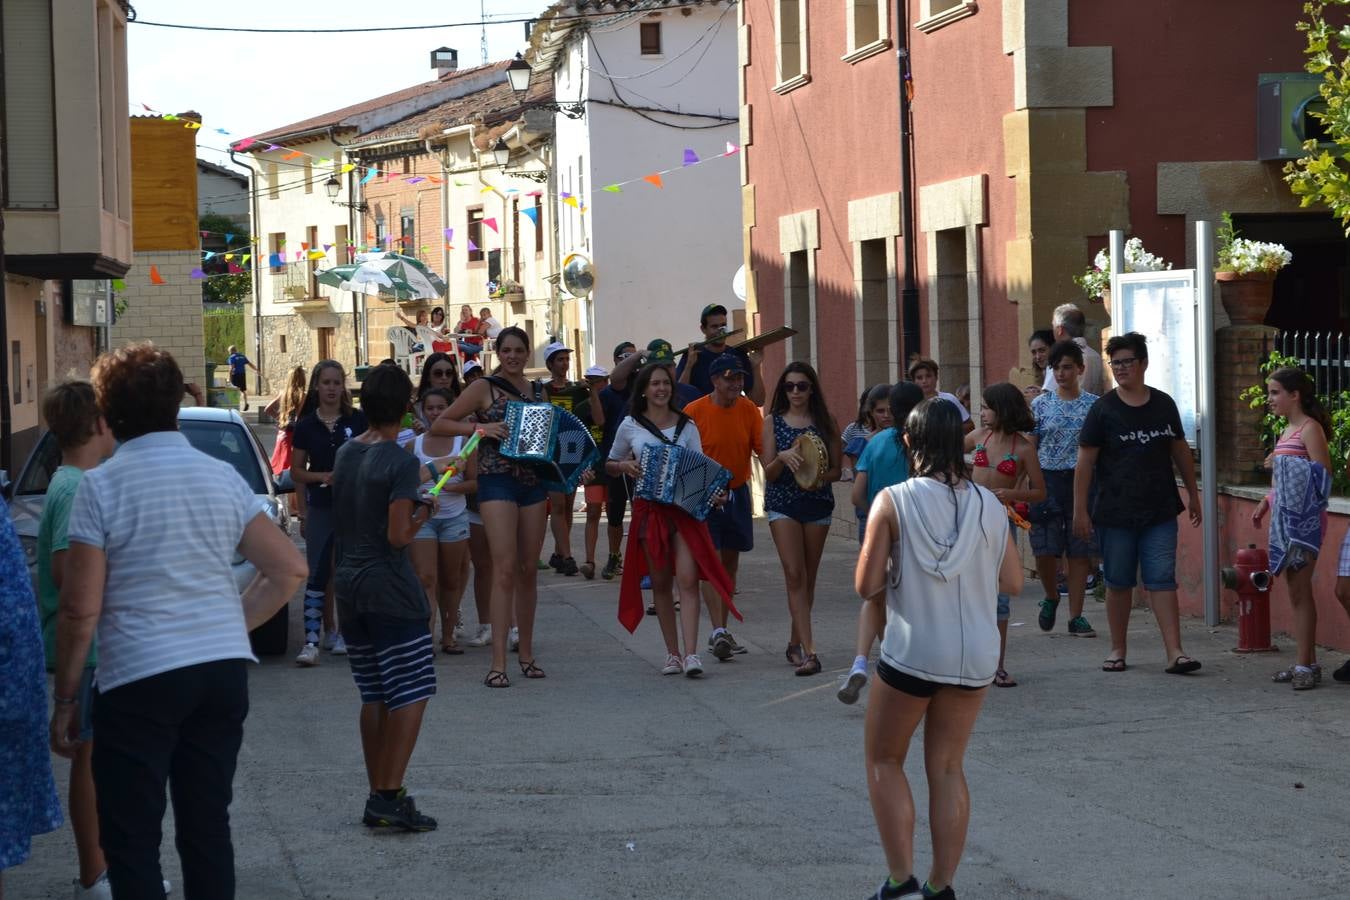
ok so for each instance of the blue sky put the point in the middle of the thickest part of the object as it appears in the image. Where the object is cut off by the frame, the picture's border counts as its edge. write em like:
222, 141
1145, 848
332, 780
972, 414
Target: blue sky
248, 83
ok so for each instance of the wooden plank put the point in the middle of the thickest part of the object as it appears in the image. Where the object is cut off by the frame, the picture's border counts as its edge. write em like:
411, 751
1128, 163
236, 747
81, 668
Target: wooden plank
164, 185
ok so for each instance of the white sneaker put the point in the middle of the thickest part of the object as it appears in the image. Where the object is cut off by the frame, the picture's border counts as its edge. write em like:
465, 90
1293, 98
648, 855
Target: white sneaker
460, 630
329, 639
693, 666
99, 890
852, 686
514, 639
339, 647
673, 665
309, 656
482, 637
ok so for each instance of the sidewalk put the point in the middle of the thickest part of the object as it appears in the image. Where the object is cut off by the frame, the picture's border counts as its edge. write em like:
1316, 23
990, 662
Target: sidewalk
608, 780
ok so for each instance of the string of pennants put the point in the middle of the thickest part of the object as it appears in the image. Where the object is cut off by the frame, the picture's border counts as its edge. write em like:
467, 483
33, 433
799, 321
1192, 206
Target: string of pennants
237, 259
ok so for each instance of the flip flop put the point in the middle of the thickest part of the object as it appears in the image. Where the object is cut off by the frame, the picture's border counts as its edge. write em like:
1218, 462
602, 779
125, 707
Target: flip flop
1003, 679
1114, 665
1182, 668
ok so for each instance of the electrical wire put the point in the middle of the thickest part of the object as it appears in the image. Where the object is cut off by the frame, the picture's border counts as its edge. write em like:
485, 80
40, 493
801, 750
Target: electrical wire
620, 102
608, 77
377, 28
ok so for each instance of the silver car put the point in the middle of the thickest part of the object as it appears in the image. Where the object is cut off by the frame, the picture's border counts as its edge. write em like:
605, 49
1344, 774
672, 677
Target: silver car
219, 433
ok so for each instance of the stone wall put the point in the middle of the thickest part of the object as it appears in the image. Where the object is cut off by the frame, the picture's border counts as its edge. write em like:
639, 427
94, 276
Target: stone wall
1238, 351
302, 344
169, 314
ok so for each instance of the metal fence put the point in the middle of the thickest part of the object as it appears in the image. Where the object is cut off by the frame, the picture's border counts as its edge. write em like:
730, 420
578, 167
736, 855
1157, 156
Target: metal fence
1324, 356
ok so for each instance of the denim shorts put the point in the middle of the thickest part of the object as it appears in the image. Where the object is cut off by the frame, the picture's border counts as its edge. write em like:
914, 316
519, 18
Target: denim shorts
501, 486
445, 529
1004, 607
1052, 520
1150, 551
775, 516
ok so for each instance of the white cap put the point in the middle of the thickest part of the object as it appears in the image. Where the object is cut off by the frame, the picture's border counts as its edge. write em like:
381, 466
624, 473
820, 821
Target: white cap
555, 347
597, 372
470, 365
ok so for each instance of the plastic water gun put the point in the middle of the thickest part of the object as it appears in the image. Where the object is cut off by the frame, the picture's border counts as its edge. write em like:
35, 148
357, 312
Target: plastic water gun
469, 446
1016, 513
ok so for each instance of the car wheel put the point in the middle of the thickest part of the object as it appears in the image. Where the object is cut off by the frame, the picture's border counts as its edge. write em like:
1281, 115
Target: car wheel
269, 638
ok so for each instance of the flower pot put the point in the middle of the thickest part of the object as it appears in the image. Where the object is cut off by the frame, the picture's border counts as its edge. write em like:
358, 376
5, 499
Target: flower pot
1246, 298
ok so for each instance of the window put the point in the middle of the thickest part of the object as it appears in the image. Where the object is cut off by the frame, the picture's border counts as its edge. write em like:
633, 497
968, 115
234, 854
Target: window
341, 254
538, 225
381, 232
276, 250
792, 42
933, 14
30, 113
515, 239
868, 28
649, 36
874, 305
281, 343
326, 344
309, 177
272, 185
312, 238
800, 314
476, 234
406, 232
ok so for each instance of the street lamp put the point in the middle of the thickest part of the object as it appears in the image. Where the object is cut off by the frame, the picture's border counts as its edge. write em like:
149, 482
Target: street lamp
332, 187
501, 153
518, 74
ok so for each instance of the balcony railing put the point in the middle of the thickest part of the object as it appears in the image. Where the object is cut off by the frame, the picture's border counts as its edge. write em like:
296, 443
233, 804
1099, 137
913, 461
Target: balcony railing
292, 284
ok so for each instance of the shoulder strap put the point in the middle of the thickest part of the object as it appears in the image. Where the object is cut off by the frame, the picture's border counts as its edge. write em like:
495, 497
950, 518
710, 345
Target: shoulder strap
505, 386
656, 432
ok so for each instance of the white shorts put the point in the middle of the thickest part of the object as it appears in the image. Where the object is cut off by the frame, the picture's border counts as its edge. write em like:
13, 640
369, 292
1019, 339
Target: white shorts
1343, 567
475, 518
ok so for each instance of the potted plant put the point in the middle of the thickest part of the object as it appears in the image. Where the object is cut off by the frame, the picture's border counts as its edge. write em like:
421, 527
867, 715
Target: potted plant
502, 289
1246, 274
1096, 281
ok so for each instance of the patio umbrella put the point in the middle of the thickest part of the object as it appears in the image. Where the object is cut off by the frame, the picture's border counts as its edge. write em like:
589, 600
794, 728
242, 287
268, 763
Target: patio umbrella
399, 277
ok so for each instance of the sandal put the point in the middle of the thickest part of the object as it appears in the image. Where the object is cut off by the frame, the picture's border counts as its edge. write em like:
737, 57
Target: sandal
1286, 675
809, 666
1114, 665
497, 679
452, 649
530, 670
795, 655
1003, 679
1182, 665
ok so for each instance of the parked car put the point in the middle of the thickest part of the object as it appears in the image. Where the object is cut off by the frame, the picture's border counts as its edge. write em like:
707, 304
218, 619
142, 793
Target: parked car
220, 433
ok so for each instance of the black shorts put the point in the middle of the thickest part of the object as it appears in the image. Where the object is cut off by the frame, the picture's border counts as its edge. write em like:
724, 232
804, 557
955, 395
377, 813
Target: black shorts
915, 687
619, 495
239, 380
391, 659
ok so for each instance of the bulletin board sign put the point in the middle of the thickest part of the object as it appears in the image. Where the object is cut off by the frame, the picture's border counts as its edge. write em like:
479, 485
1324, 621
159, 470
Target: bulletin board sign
1162, 307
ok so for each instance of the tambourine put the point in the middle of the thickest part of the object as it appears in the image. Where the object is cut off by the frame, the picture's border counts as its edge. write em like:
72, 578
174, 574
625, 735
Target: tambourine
815, 461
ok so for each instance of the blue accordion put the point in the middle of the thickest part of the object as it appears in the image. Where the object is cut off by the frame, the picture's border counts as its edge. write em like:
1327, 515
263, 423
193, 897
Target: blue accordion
551, 441
680, 477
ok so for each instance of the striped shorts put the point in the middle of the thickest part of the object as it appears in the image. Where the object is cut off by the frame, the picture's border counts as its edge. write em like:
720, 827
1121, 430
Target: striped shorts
391, 659
1343, 567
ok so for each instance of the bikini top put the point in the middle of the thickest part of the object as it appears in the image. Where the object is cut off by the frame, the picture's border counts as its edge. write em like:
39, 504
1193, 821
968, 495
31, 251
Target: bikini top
1006, 466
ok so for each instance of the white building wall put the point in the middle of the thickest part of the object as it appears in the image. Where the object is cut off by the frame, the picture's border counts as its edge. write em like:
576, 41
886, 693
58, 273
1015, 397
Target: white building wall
222, 196
660, 255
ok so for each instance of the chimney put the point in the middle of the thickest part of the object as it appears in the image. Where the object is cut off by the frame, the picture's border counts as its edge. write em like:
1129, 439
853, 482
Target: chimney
444, 60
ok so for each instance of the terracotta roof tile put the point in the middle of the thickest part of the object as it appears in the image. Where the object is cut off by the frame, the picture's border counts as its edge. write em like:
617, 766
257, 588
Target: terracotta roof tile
493, 105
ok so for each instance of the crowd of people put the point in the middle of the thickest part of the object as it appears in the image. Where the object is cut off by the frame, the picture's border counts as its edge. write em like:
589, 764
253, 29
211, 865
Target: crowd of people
398, 517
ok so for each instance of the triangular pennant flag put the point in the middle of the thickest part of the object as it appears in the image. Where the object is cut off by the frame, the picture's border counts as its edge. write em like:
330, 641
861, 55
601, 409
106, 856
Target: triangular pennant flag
299, 254
282, 242
486, 190
459, 183
271, 147
146, 108
294, 154
532, 213
229, 236
449, 234
491, 223
246, 257
473, 248
535, 194
612, 188
434, 180
572, 202
731, 149
234, 269
347, 167
203, 234
190, 126
421, 249
325, 162
513, 190
221, 131
229, 256
304, 246
416, 180
316, 254
327, 247
196, 273
208, 255
370, 173
155, 277
653, 179
119, 284
170, 117
690, 157
564, 195
274, 260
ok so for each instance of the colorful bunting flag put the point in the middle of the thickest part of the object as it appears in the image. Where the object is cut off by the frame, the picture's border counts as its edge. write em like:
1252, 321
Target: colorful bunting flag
196, 273
325, 162
208, 255
327, 247
572, 202
370, 173
155, 277
416, 180
294, 154
449, 234
612, 188
533, 214
654, 179
229, 236
316, 254
234, 269
731, 149
271, 147
246, 258
229, 256
473, 248
690, 157
274, 260
118, 283
192, 126
491, 223
347, 167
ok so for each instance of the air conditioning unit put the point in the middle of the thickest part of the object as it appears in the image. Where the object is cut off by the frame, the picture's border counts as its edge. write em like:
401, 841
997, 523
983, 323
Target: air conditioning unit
1285, 103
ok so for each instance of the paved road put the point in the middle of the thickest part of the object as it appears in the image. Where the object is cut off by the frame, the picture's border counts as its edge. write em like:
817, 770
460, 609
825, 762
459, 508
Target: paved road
609, 780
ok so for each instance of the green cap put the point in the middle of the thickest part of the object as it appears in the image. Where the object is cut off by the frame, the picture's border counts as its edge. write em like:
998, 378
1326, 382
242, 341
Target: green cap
659, 351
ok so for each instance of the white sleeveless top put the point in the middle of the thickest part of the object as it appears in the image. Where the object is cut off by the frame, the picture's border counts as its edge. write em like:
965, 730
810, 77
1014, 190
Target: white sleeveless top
942, 590
451, 504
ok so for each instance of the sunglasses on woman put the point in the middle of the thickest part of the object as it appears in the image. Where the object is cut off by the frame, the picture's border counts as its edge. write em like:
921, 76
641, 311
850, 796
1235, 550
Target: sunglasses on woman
442, 373
793, 387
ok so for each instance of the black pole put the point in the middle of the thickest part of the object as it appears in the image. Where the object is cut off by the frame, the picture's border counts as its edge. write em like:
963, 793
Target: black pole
909, 288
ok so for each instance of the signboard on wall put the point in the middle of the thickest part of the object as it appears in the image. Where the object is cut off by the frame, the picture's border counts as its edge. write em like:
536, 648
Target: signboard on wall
91, 302
1162, 307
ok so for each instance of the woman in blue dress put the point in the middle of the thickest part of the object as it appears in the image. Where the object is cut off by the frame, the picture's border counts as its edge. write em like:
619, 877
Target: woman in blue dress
28, 801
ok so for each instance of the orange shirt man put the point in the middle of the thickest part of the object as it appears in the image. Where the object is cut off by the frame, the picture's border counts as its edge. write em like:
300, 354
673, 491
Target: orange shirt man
729, 427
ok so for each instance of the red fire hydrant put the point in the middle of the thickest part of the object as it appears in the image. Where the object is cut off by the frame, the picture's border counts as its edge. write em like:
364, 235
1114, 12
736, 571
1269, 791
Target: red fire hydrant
1250, 577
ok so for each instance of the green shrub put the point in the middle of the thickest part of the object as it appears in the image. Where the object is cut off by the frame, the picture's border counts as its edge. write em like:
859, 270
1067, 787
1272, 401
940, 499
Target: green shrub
1272, 426
220, 329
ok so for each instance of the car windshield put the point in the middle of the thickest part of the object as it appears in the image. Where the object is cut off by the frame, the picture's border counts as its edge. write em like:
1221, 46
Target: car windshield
225, 441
